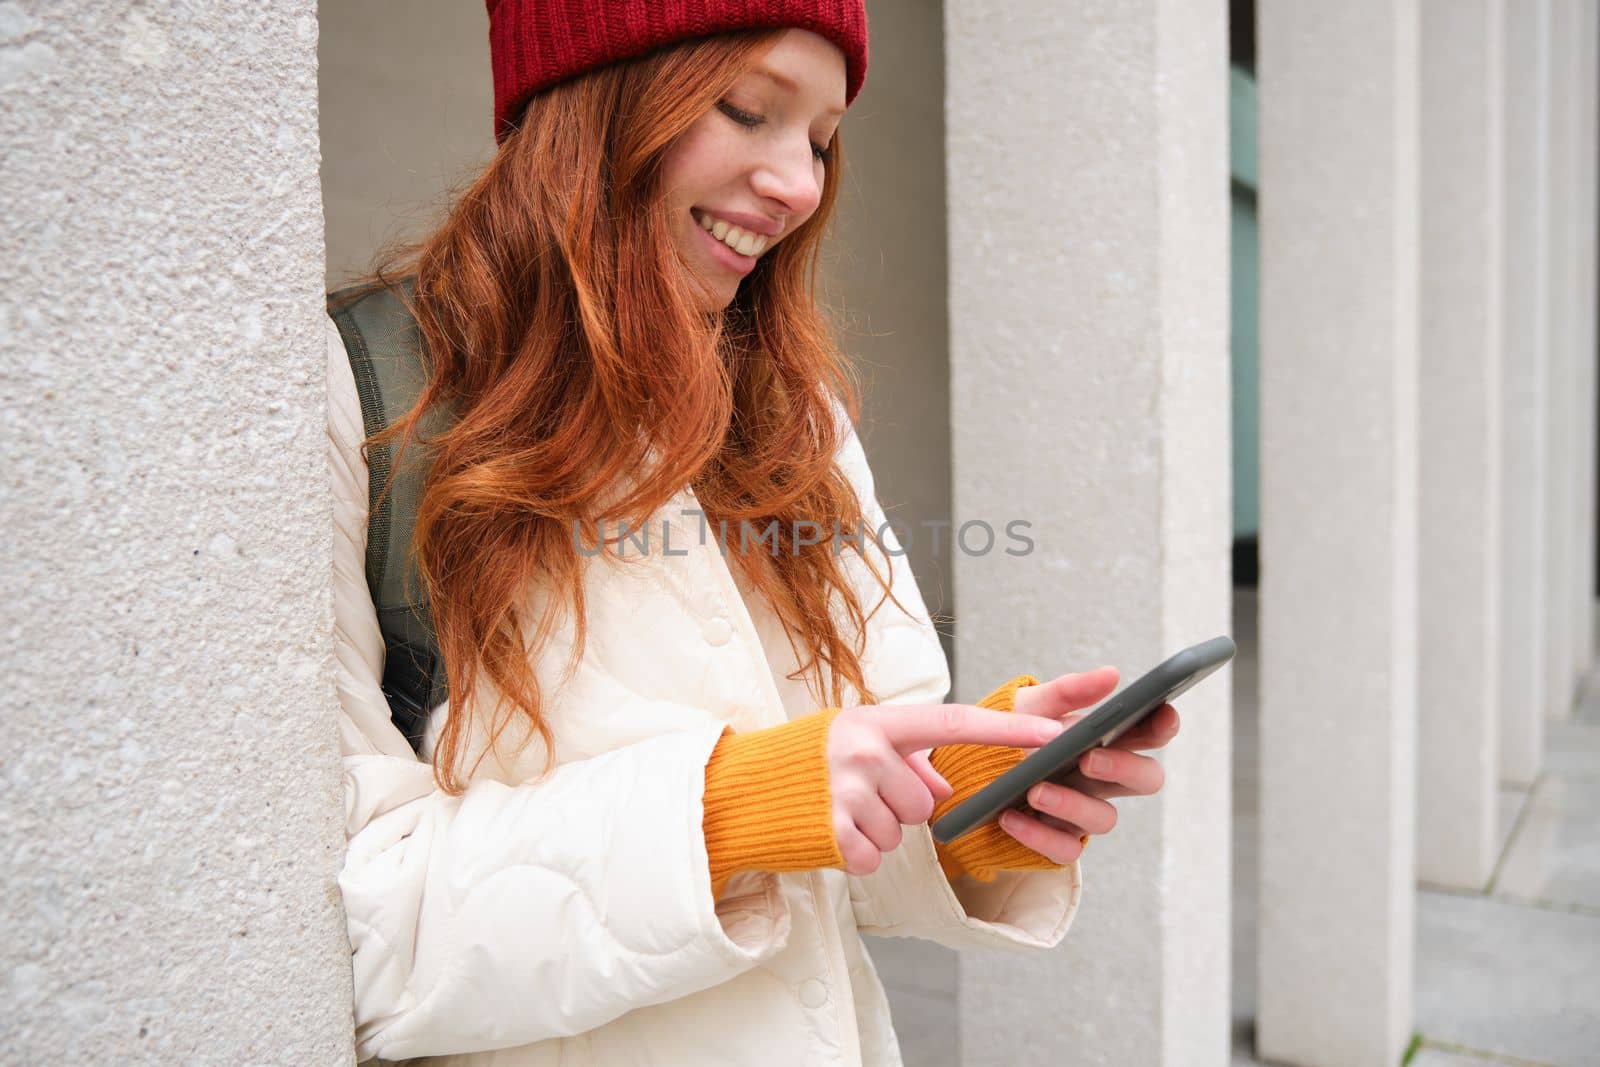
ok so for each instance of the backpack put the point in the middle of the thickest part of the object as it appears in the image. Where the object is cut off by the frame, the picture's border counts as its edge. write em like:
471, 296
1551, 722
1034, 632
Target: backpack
385, 349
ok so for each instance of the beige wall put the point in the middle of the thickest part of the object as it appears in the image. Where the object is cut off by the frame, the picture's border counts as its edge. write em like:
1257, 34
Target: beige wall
406, 102
890, 274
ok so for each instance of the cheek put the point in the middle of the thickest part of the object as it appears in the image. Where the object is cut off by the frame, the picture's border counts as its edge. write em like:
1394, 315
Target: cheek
699, 164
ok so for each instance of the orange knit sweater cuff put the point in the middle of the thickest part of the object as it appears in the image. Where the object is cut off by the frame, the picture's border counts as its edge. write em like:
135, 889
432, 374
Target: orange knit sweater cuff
987, 850
767, 802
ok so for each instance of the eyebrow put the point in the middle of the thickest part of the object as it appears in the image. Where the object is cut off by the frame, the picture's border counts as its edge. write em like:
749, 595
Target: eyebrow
786, 83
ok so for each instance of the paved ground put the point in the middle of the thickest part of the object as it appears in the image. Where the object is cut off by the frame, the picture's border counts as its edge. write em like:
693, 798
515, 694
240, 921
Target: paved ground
1506, 976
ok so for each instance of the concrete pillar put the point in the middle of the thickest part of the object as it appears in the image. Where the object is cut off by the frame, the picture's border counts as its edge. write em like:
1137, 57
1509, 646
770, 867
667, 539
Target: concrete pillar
1459, 444
1584, 92
1525, 590
173, 815
1087, 171
1339, 379
1561, 427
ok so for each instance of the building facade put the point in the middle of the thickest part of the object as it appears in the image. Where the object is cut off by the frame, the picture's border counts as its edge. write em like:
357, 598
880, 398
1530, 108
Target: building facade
1315, 296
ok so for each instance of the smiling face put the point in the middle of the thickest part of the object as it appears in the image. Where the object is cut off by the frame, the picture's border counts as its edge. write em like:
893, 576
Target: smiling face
750, 171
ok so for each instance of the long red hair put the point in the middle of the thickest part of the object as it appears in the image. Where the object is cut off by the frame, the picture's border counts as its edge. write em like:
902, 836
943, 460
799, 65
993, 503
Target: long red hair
567, 339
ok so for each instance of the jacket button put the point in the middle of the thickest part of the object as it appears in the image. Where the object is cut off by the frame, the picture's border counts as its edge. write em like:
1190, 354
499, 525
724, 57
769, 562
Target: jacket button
717, 631
813, 994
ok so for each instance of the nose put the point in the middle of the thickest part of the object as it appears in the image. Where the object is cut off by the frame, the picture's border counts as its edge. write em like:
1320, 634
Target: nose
791, 175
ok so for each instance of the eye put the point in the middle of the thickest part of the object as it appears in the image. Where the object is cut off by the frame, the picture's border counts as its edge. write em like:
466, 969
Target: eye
750, 121
743, 118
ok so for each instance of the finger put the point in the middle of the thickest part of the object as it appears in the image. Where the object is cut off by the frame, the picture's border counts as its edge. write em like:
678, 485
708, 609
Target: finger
1070, 719
937, 786
1092, 814
1091, 788
860, 855
1060, 824
879, 825
905, 794
1155, 731
1069, 692
1057, 846
913, 727
1130, 772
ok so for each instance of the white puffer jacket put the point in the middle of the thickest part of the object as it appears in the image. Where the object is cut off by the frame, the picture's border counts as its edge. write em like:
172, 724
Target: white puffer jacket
569, 919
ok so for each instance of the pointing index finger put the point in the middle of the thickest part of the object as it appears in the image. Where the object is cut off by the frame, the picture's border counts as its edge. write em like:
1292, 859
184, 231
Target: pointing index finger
911, 728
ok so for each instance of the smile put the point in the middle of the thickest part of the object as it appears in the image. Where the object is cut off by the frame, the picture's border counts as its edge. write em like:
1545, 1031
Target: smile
740, 240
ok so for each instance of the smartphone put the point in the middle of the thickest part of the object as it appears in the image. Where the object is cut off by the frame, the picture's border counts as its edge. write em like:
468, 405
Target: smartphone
1057, 760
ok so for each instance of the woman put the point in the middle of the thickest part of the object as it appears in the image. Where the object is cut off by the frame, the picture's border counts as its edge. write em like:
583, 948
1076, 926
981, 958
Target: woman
668, 790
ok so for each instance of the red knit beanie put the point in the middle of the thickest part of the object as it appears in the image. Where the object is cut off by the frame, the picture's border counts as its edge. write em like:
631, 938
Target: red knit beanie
536, 43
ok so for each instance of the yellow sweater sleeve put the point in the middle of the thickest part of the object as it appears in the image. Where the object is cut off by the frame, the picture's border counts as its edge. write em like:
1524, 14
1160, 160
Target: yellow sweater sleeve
768, 806
968, 768
767, 802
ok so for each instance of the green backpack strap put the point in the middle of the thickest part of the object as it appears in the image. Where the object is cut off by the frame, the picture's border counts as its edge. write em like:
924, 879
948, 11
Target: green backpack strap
385, 350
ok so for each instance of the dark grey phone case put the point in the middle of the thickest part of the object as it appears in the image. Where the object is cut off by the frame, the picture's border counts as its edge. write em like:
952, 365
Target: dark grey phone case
1057, 761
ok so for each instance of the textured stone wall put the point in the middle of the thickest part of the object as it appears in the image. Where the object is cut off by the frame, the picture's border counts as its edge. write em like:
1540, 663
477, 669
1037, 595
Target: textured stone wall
169, 796
1087, 170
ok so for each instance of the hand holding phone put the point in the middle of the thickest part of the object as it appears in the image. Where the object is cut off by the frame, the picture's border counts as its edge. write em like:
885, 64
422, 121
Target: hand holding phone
1059, 817
1058, 761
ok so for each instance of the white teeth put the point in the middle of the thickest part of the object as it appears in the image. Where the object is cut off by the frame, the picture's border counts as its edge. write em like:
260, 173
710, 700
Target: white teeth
741, 241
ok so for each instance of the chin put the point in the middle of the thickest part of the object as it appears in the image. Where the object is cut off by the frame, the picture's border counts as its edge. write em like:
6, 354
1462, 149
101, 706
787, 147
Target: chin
717, 299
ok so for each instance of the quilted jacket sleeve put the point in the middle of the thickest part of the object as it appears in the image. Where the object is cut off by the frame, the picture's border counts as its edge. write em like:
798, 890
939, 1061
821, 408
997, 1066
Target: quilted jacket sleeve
909, 895
513, 913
